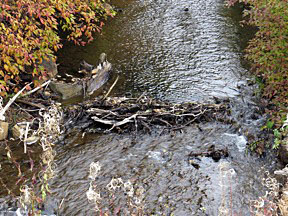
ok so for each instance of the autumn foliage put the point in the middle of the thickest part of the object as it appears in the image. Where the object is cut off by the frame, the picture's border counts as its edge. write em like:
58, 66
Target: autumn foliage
268, 50
30, 33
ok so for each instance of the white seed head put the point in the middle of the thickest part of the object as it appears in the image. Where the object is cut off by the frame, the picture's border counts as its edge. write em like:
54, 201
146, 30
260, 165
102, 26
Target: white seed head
128, 188
114, 184
94, 170
25, 198
93, 196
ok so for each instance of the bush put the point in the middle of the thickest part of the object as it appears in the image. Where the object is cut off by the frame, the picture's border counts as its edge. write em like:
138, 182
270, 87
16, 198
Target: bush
268, 50
30, 33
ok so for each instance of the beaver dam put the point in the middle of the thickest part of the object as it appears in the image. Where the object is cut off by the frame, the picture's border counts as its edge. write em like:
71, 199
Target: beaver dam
122, 114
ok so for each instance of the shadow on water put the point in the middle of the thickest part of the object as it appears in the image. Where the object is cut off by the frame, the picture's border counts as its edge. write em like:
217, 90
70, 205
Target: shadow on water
175, 54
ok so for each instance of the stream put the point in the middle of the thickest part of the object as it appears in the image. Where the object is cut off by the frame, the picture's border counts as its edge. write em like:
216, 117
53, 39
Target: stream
178, 51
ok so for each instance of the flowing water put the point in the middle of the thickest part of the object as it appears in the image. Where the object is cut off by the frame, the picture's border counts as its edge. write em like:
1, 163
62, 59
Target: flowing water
157, 46
178, 51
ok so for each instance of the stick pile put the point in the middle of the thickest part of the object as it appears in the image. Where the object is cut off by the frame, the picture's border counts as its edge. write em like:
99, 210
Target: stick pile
129, 114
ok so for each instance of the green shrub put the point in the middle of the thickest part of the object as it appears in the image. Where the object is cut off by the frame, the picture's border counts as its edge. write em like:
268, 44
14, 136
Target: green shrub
268, 50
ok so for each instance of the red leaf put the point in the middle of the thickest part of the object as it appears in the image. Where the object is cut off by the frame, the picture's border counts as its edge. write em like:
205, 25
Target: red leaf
41, 20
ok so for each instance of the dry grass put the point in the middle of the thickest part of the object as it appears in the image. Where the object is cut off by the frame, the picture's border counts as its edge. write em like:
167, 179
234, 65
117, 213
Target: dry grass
275, 200
267, 205
283, 201
133, 195
49, 129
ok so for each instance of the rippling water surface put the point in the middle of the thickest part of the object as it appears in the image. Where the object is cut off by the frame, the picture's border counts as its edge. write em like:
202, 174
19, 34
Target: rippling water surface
157, 46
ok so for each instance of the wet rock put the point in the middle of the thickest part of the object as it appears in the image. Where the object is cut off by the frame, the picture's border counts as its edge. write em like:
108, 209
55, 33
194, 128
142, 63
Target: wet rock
67, 90
100, 74
283, 151
3, 130
86, 67
48, 64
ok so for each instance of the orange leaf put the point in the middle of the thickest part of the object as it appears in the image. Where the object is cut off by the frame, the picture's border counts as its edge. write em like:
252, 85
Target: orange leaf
6, 77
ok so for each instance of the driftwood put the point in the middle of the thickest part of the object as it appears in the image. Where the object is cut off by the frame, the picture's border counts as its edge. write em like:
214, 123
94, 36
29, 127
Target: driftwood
129, 114
215, 154
37, 105
95, 78
212, 152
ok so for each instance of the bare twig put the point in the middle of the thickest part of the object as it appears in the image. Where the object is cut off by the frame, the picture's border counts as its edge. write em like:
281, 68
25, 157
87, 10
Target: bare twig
25, 138
142, 95
40, 106
111, 88
167, 123
25, 110
146, 126
2, 117
9, 83
107, 122
36, 89
97, 111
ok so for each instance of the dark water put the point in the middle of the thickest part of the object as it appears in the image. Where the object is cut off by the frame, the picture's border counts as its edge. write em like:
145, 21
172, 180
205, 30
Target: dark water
174, 54
179, 55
